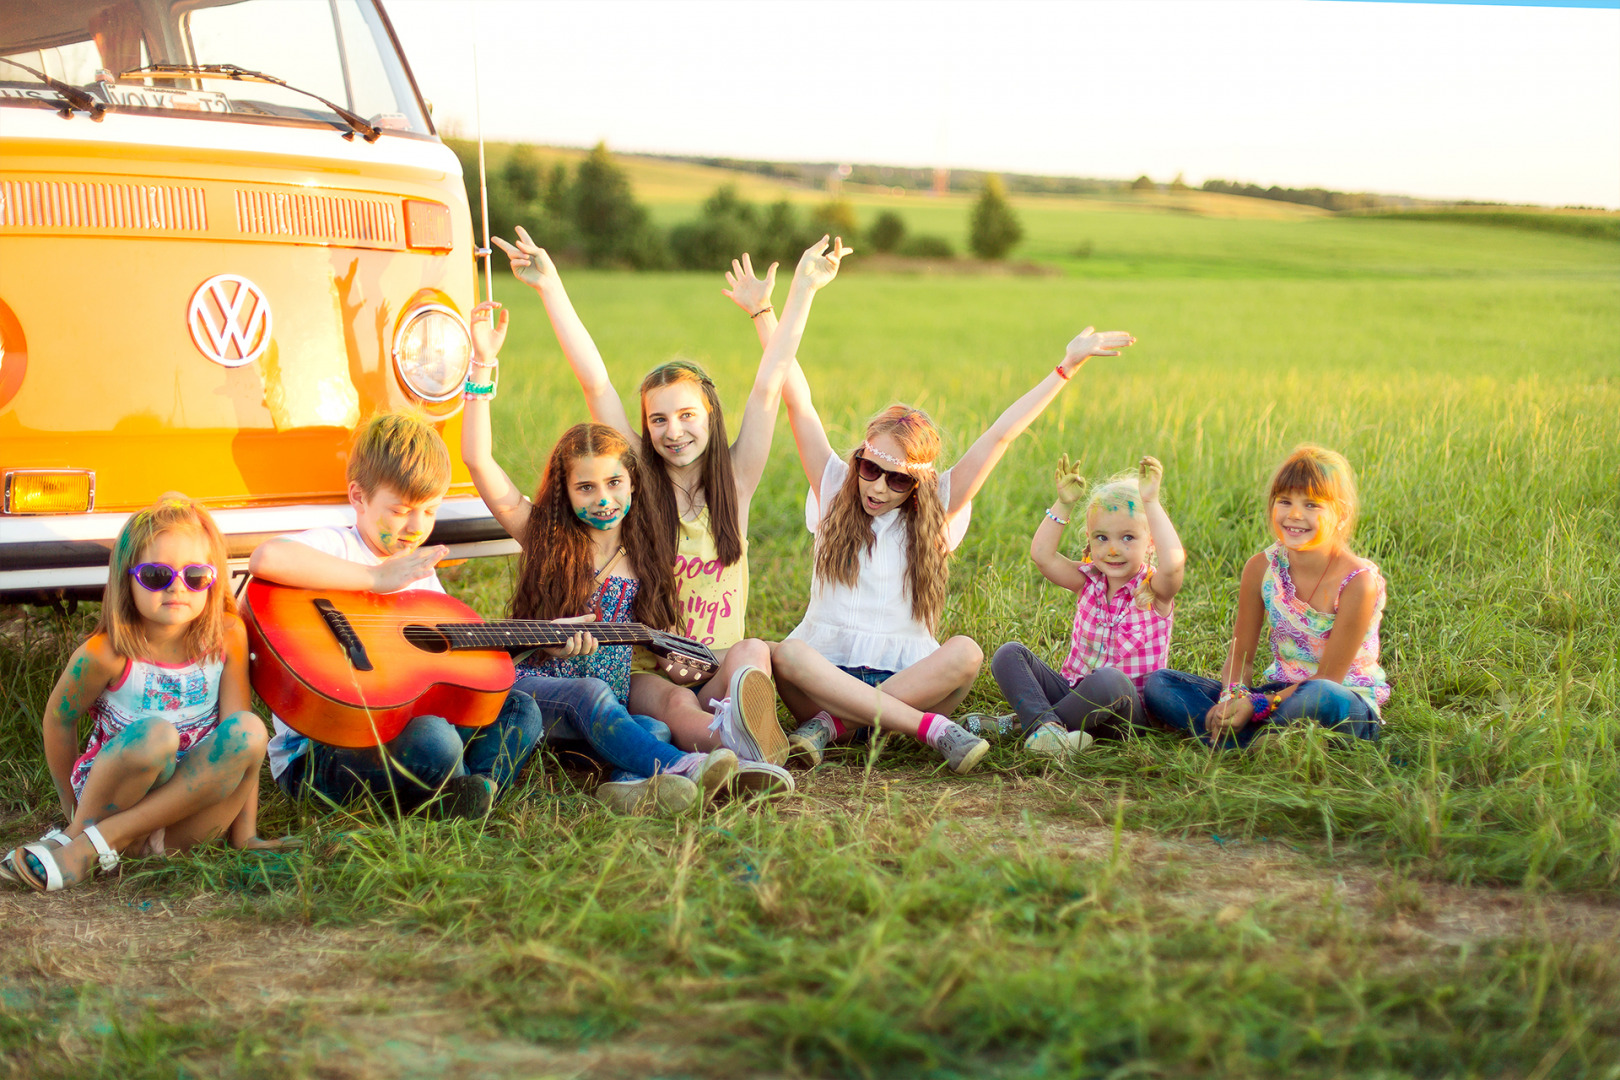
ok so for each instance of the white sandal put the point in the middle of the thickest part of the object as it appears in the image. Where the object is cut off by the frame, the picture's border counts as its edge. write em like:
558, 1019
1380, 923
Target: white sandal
8, 871
106, 856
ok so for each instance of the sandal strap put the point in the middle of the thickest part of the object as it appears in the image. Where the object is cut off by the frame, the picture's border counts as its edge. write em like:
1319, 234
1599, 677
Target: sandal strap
46, 857
104, 851
57, 837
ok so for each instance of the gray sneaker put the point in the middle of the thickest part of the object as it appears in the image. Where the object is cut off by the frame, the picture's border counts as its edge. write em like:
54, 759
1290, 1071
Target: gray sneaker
1052, 740
992, 727
963, 749
664, 795
809, 740
762, 780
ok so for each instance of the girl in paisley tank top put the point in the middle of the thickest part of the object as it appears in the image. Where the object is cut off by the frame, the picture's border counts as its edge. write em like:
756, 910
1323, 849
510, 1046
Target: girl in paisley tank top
1323, 605
697, 491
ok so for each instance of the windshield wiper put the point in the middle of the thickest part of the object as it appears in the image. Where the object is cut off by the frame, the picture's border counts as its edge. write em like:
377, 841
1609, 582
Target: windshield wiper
360, 124
76, 98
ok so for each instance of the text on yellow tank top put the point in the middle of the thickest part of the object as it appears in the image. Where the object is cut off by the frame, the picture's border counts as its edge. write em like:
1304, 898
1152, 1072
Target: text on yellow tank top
712, 597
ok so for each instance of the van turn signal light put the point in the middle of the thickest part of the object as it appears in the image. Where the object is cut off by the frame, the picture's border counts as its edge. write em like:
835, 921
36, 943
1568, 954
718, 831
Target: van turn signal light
50, 491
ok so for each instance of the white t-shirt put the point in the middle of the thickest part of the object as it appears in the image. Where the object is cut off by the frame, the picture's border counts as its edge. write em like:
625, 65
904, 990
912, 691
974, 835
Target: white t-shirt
345, 542
870, 624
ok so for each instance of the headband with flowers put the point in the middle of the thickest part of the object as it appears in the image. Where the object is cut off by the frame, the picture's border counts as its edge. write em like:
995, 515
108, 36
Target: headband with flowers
909, 466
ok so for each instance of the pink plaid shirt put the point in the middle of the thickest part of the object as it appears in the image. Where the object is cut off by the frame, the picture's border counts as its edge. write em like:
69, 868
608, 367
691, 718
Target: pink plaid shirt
1114, 632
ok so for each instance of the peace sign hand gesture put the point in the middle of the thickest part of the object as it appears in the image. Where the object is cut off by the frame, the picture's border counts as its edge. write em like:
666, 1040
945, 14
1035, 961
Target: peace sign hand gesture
529, 260
1071, 486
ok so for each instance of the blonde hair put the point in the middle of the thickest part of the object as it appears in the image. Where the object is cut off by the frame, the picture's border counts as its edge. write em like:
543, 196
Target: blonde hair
1122, 492
403, 451
1325, 476
846, 529
122, 623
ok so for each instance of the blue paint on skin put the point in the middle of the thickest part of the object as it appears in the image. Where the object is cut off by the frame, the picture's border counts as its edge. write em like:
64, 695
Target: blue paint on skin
584, 514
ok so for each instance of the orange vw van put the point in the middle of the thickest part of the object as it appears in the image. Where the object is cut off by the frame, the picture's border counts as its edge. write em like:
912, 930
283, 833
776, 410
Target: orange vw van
228, 231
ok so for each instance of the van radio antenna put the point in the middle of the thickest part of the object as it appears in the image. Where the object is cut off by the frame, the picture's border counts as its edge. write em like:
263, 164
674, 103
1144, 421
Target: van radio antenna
483, 181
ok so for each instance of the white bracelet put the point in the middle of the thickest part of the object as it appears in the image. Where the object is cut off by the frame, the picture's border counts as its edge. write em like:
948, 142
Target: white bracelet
1054, 517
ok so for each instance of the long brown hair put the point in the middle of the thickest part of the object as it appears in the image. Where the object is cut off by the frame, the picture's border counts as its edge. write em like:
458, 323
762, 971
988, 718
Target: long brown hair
555, 579
122, 623
846, 529
719, 483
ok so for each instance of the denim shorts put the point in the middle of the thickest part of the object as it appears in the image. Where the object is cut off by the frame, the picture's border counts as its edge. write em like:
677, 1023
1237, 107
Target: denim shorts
869, 675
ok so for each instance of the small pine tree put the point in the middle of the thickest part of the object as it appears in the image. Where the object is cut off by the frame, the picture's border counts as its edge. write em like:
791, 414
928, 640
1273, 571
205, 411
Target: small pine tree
995, 229
886, 232
1143, 183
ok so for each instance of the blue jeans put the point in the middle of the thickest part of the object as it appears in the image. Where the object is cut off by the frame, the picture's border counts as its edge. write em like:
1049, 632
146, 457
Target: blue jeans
426, 753
871, 676
1181, 701
587, 709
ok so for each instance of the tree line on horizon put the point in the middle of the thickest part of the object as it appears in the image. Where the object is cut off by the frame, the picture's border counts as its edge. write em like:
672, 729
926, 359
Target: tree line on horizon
589, 215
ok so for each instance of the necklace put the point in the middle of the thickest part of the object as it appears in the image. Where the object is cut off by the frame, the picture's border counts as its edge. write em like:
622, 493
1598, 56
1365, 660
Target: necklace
609, 563
1320, 578
691, 497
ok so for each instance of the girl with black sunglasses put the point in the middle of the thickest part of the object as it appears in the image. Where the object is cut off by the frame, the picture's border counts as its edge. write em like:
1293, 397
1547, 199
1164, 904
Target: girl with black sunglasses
886, 520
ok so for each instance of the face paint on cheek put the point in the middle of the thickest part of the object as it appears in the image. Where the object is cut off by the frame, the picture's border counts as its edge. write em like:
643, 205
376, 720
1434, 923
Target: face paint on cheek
584, 514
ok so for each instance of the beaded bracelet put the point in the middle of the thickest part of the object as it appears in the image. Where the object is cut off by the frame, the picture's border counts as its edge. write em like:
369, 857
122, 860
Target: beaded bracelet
761, 311
1054, 517
1232, 690
491, 364
472, 391
1263, 705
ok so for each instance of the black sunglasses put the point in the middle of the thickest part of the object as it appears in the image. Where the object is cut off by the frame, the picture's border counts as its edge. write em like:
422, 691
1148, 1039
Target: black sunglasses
156, 576
900, 483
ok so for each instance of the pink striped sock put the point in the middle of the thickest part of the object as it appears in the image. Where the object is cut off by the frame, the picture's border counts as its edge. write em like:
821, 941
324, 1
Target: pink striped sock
835, 725
928, 730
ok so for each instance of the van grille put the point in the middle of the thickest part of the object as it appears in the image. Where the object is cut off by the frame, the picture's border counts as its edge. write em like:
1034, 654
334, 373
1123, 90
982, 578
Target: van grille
317, 217
68, 205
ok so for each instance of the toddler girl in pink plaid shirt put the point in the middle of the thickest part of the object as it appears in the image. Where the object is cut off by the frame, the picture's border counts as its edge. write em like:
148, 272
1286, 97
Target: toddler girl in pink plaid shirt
1124, 607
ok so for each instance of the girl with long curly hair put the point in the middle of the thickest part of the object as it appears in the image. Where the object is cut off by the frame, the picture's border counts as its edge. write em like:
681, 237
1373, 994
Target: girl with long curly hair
886, 520
697, 494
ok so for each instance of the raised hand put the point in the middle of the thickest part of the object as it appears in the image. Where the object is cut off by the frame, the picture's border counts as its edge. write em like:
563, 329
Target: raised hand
1091, 343
818, 266
1071, 486
488, 330
747, 291
529, 260
398, 571
1149, 474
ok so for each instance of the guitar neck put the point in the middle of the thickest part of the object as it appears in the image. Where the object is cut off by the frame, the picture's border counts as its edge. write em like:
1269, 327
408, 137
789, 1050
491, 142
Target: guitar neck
509, 634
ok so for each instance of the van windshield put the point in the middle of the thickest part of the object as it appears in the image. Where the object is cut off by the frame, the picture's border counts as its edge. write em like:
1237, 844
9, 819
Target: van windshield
341, 50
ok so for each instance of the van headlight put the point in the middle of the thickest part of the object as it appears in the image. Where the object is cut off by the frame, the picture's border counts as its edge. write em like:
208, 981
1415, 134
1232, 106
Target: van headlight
431, 352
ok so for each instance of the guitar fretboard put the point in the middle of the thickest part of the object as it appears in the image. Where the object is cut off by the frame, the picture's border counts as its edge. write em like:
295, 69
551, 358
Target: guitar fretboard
507, 634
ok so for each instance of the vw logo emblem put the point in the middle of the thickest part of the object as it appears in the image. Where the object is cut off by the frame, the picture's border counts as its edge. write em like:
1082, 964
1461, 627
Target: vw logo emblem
229, 320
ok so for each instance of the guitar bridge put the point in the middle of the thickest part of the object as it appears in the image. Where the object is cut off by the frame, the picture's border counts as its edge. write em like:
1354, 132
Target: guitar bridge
338, 623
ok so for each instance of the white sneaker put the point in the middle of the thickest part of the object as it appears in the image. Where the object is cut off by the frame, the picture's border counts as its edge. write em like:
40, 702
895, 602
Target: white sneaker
1052, 740
746, 718
762, 780
710, 772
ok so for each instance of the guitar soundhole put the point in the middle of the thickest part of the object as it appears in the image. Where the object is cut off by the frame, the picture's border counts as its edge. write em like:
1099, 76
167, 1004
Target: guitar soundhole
426, 638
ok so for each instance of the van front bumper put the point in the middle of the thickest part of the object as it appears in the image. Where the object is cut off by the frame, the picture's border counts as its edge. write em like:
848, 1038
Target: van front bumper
49, 558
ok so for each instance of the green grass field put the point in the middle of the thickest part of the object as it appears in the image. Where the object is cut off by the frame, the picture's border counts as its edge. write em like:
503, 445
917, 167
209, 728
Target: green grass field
1442, 903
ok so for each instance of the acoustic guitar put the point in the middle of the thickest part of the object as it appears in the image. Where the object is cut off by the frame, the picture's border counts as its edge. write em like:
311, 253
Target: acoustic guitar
353, 668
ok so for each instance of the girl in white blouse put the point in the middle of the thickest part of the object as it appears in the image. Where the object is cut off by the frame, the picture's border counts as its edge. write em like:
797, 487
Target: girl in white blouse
886, 521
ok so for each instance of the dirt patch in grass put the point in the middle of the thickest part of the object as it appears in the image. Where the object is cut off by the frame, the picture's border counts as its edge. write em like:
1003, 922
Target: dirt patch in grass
368, 1002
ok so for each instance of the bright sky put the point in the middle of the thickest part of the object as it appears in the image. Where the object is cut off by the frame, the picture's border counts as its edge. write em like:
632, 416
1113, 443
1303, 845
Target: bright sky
1517, 104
